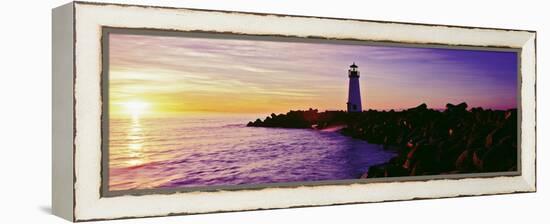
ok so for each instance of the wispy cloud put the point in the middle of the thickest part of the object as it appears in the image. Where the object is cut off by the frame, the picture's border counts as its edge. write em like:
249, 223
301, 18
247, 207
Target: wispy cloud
263, 76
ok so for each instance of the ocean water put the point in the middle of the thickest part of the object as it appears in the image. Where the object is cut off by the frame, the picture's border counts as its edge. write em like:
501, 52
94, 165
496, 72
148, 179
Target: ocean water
213, 150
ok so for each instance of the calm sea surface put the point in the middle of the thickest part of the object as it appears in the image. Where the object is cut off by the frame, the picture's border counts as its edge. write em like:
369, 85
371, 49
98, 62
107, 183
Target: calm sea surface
209, 150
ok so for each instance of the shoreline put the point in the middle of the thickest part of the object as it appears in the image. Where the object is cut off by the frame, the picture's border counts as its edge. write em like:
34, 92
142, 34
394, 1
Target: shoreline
427, 141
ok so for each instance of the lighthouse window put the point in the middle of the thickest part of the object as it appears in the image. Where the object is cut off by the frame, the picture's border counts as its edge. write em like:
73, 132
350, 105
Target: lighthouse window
354, 107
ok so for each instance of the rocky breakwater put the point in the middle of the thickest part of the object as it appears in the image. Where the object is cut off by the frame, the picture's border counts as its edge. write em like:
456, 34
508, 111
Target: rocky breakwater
427, 141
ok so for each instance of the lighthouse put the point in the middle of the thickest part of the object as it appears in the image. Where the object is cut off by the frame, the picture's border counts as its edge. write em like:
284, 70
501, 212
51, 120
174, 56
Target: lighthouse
354, 94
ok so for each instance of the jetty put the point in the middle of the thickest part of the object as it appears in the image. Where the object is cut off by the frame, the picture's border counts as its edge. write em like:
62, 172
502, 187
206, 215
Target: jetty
427, 141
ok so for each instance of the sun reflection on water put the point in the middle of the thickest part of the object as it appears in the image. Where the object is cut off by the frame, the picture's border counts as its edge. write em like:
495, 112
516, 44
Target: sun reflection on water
135, 143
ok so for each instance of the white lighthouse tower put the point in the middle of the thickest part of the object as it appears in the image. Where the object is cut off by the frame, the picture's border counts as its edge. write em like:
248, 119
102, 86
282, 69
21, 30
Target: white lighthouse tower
354, 94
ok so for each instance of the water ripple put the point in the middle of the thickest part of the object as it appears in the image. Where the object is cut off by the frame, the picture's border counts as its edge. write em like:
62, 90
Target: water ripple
220, 150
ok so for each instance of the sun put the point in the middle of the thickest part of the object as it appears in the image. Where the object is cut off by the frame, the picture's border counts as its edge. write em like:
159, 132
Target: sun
136, 108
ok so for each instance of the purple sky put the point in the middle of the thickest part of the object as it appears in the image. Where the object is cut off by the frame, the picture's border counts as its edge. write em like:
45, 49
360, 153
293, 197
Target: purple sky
180, 74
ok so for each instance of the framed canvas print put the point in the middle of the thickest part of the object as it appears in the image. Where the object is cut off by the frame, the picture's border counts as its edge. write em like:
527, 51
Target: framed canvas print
164, 111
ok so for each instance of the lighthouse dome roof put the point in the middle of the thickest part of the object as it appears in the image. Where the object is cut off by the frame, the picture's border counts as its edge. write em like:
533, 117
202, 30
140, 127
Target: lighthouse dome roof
353, 65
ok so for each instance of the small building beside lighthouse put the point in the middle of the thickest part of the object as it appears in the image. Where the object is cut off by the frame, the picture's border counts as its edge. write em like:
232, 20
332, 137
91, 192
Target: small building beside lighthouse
354, 94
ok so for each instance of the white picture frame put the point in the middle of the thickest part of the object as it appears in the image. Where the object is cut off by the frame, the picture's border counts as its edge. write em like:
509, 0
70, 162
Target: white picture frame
77, 110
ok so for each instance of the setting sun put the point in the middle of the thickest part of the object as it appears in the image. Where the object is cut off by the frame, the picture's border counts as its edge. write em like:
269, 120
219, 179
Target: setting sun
136, 108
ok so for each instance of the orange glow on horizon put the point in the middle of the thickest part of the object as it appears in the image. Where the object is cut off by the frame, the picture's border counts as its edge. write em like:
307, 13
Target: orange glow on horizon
165, 76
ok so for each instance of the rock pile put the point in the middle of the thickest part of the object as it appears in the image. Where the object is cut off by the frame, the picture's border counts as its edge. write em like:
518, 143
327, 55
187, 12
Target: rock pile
428, 142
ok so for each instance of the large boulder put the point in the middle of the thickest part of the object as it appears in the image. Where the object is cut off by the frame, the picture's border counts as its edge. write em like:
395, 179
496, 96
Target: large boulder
457, 108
